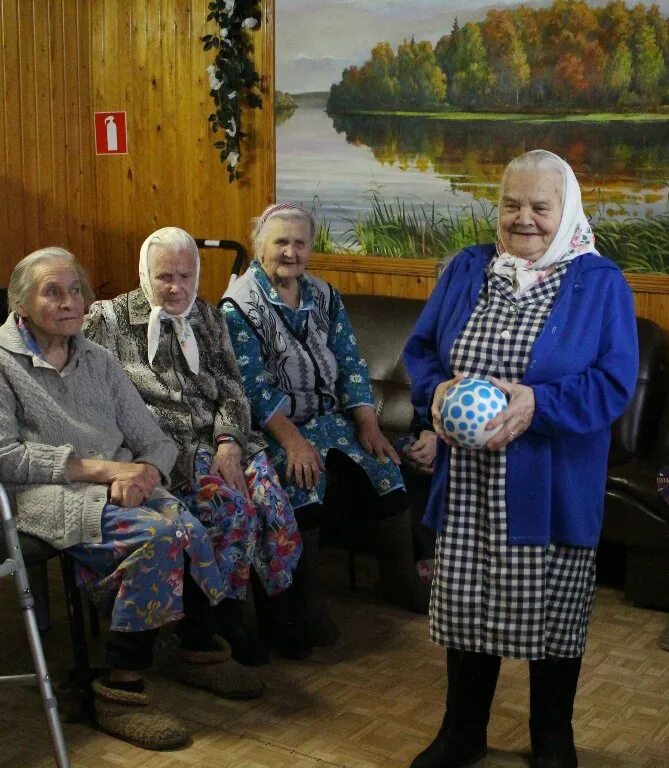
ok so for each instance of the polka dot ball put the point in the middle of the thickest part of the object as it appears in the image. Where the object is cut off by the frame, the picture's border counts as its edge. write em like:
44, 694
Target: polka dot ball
467, 408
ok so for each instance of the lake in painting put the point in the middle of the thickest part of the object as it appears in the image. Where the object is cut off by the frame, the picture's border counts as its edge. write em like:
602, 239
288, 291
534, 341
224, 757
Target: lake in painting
333, 164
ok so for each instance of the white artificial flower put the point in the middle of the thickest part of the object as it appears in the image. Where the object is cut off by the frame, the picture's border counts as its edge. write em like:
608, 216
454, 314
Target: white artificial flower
232, 130
229, 7
223, 33
214, 82
250, 23
232, 158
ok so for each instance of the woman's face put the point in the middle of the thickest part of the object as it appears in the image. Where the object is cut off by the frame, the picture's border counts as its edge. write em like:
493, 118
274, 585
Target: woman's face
172, 275
286, 249
55, 306
530, 210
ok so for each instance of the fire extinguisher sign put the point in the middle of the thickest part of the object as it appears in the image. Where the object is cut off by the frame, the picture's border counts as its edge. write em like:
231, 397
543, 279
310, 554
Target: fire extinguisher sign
111, 137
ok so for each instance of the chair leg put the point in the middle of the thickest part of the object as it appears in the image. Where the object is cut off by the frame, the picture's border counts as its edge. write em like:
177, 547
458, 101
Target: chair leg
352, 571
75, 614
94, 620
39, 585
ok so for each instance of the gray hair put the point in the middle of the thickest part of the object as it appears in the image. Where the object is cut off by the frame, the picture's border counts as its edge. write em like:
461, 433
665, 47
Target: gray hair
537, 160
175, 239
21, 281
292, 213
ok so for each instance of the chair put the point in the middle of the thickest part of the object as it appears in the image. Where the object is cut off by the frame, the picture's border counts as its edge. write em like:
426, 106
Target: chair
14, 566
227, 245
636, 517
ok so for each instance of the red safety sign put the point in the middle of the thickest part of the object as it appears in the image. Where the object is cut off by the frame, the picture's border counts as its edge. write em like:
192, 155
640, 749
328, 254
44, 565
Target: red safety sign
111, 137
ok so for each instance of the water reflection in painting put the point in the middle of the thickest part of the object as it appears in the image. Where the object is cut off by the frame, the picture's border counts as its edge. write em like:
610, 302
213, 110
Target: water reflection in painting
343, 166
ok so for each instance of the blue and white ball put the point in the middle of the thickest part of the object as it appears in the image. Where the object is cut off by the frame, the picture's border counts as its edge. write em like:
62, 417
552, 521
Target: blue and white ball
467, 408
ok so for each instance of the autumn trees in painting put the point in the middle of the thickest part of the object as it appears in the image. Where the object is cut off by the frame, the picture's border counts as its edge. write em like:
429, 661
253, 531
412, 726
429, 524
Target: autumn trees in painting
568, 55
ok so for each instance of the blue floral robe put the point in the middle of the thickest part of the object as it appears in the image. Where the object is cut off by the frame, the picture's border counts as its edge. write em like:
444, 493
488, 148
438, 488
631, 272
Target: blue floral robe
263, 331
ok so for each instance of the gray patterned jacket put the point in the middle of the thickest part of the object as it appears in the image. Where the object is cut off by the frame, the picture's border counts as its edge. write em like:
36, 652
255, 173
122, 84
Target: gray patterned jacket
193, 409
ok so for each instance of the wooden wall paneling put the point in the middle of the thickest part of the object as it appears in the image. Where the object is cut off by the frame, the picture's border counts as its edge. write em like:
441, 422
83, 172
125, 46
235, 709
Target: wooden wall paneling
10, 201
101, 56
78, 183
48, 122
189, 107
28, 118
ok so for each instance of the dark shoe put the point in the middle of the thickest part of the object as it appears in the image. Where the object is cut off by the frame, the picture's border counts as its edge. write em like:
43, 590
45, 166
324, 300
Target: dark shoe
129, 716
554, 750
445, 752
461, 740
322, 630
280, 624
247, 647
290, 639
400, 583
433, 755
453, 750
553, 683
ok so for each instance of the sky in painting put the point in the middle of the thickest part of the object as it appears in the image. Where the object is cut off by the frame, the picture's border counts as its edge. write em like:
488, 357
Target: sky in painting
316, 40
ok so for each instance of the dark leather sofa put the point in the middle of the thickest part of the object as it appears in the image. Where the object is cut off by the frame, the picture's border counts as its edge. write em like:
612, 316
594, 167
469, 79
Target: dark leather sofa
636, 518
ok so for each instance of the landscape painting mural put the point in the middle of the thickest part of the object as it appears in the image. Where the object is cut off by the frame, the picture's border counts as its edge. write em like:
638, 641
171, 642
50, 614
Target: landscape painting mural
395, 119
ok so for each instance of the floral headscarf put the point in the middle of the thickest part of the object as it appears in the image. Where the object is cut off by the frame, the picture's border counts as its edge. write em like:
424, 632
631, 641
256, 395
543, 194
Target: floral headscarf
573, 237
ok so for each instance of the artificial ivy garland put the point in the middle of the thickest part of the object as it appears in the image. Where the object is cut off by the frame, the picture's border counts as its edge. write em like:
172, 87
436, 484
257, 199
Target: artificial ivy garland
232, 76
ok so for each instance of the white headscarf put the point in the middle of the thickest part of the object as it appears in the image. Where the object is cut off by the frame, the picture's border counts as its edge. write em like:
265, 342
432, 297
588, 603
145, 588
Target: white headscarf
175, 239
573, 237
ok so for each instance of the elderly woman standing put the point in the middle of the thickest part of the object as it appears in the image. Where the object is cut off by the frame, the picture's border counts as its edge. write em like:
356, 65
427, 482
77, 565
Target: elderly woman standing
551, 322
175, 348
310, 394
84, 461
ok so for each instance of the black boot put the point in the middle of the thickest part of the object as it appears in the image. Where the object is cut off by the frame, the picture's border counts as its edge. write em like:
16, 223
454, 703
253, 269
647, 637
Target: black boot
461, 741
247, 648
433, 755
400, 583
280, 621
321, 628
553, 683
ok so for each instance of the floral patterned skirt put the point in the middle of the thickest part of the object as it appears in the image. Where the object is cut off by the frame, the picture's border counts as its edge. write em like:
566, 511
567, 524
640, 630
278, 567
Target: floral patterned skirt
136, 573
334, 430
261, 533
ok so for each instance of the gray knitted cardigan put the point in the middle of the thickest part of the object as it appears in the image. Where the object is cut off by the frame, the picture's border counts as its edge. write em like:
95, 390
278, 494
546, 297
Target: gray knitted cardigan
193, 409
90, 409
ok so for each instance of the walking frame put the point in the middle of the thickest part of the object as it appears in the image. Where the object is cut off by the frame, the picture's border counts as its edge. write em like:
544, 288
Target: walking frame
14, 566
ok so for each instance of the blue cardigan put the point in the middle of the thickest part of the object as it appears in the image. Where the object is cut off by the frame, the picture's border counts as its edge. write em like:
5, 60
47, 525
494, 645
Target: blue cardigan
583, 370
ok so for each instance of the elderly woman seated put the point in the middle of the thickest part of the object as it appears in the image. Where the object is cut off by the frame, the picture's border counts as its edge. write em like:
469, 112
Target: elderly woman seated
310, 394
85, 462
175, 348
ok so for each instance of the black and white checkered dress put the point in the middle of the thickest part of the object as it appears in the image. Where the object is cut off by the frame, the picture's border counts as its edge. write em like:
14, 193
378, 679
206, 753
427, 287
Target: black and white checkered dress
489, 596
